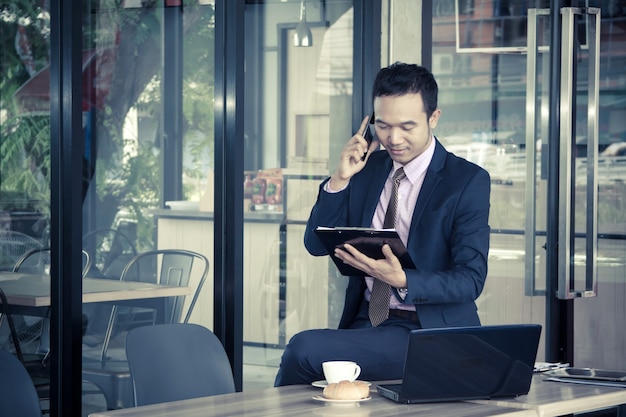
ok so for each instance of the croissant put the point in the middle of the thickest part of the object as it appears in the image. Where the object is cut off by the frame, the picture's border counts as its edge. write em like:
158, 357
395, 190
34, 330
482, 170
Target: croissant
346, 390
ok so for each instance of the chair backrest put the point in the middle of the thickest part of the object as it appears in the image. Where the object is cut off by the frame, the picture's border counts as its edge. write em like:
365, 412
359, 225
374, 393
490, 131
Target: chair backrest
18, 396
34, 261
166, 267
169, 267
13, 245
171, 362
37, 260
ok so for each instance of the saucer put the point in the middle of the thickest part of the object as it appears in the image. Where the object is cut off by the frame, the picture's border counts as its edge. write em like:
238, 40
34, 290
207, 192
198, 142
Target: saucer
339, 402
324, 384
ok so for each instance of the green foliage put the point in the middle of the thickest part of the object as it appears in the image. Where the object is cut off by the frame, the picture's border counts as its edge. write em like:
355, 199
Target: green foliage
35, 22
24, 139
25, 151
198, 94
127, 176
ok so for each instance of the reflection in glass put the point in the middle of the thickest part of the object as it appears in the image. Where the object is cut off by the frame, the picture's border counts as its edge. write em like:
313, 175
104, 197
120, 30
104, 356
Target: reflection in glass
298, 111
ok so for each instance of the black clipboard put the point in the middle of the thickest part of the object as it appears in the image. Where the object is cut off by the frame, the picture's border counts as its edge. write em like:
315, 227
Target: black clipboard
366, 240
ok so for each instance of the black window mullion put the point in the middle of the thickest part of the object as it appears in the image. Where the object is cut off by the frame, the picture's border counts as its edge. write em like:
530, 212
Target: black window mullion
228, 233
66, 150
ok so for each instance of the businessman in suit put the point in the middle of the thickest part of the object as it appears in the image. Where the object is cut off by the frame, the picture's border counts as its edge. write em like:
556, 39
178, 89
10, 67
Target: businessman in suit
441, 216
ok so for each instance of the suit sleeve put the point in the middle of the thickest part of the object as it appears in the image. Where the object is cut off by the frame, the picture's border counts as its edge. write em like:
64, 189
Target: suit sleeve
330, 210
452, 244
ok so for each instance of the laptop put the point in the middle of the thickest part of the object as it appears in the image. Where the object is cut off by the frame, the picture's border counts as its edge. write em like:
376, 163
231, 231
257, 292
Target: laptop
467, 363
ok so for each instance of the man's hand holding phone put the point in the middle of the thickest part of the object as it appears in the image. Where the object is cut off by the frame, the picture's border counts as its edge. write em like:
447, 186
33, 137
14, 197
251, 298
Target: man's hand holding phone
367, 134
353, 155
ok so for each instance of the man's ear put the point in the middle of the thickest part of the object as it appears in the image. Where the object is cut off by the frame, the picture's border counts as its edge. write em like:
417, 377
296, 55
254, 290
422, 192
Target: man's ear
434, 118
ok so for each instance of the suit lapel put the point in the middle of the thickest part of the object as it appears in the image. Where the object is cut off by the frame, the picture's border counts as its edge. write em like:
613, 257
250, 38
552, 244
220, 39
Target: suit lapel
432, 178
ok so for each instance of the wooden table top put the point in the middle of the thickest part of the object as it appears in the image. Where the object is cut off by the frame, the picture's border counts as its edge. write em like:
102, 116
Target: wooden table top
549, 398
544, 399
297, 400
30, 290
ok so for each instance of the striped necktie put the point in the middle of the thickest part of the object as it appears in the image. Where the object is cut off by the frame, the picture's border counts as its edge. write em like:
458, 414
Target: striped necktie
381, 291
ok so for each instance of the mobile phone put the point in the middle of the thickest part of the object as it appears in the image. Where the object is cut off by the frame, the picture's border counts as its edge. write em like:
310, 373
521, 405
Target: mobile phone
367, 134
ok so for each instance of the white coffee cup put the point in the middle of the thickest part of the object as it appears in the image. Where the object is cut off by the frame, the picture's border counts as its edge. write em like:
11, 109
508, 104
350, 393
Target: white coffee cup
335, 371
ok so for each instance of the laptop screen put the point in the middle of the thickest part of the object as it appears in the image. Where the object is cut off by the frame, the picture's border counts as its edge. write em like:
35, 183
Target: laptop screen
469, 362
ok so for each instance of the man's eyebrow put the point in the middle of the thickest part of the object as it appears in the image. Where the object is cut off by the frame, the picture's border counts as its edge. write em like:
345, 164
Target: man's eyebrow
404, 124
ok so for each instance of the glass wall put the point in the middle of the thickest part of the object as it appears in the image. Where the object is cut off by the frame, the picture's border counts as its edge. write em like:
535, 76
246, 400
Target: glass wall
483, 98
298, 115
148, 177
25, 128
150, 154
24, 147
147, 132
480, 59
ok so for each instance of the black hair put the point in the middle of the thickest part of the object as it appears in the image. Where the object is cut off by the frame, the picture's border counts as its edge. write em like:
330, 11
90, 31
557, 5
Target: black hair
400, 78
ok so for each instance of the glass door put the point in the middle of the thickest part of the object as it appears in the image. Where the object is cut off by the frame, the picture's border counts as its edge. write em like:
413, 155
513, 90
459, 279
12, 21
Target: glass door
555, 214
148, 171
298, 114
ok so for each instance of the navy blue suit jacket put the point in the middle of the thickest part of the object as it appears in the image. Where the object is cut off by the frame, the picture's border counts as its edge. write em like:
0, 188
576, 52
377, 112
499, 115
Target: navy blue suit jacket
448, 238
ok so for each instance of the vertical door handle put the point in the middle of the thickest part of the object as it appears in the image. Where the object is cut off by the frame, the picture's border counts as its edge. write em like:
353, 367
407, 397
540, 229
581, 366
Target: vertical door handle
566, 288
533, 50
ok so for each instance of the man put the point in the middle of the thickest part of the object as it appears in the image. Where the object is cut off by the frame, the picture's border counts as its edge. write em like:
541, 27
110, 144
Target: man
442, 217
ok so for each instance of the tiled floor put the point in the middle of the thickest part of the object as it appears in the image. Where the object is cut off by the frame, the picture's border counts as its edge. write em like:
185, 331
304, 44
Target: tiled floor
258, 377
260, 367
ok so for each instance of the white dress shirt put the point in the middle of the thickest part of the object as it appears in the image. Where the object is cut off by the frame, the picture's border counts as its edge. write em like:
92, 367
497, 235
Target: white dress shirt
408, 192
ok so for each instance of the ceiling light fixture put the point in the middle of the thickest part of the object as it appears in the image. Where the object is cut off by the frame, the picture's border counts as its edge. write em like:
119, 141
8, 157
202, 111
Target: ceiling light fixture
303, 35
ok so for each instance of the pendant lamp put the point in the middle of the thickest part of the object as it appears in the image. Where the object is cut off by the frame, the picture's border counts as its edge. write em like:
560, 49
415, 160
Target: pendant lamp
303, 36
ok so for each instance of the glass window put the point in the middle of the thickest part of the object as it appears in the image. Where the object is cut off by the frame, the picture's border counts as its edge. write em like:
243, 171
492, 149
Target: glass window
148, 130
298, 112
149, 157
483, 81
24, 131
24, 164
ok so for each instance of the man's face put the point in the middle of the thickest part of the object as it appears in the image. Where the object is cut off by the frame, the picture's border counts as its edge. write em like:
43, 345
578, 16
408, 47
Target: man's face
402, 126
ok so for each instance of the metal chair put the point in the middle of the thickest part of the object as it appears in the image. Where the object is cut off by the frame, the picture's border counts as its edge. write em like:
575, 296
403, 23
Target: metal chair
108, 367
37, 261
172, 362
18, 396
32, 364
37, 330
110, 251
